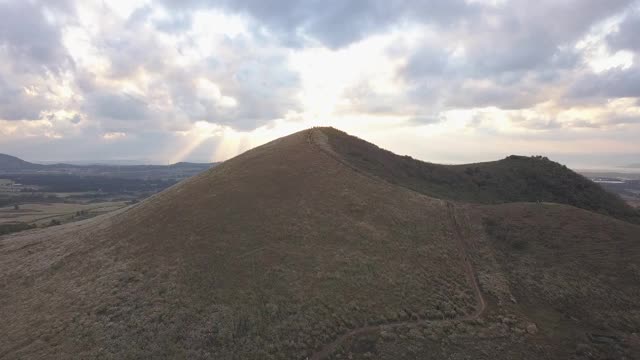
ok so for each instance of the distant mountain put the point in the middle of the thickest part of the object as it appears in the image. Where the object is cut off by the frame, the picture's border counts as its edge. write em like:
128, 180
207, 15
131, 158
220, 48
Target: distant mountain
319, 246
15, 166
191, 164
8, 162
633, 166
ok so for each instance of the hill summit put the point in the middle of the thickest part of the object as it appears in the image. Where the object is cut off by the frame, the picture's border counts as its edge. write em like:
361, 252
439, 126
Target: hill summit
319, 245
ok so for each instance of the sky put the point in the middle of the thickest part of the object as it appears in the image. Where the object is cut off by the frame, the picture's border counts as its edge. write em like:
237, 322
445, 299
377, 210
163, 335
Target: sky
447, 81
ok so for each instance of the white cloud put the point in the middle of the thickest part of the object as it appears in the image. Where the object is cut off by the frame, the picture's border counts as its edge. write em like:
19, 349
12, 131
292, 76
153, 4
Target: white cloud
114, 136
212, 78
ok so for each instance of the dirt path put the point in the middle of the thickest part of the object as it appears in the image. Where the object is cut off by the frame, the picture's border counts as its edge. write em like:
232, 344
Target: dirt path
481, 304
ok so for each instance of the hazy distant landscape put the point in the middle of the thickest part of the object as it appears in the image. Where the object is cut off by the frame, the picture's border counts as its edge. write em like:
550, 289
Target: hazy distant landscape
35, 195
52, 194
626, 184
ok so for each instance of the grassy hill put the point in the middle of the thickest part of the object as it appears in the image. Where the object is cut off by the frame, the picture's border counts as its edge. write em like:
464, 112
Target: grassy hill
286, 252
8, 162
513, 179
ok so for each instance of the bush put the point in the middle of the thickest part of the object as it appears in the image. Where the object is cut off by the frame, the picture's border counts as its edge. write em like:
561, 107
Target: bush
12, 228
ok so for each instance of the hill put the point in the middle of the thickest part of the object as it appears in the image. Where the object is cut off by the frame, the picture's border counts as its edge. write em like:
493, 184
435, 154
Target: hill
8, 162
513, 179
286, 252
14, 165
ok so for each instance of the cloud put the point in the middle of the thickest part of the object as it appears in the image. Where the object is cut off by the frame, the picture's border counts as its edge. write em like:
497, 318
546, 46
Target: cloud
17, 104
535, 123
333, 23
155, 69
626, 37
31, 39
33, 60
176, 80
613, 83
117, 106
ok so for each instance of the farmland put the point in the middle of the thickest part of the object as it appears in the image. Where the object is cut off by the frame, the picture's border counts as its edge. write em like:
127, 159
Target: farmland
36, 196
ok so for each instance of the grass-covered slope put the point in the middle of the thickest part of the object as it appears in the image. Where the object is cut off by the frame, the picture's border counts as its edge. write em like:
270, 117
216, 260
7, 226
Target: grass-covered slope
573, 262
290, 251
561, 283
272, 254
516, 178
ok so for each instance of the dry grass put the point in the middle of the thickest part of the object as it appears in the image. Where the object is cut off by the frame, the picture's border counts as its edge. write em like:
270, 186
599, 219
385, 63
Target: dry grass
513, 179
282, 249
271, 254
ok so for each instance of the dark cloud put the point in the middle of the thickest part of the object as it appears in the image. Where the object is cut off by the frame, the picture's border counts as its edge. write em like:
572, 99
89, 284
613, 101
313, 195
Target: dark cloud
427, 119
32, 41
428, 61
16, 104
622, 119
626, 38
117, 106
334, 23
613, 83
511, 54
31, 56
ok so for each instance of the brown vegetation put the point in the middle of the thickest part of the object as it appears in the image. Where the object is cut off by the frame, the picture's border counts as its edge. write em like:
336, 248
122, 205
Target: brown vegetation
280, 251
513, 179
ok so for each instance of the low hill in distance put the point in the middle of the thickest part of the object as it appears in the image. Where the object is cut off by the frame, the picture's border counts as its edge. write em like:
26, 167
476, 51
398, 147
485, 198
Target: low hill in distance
12, 163
320, 246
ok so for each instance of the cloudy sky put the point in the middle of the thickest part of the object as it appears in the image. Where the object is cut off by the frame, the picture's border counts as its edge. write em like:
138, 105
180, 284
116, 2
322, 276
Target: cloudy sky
444, 80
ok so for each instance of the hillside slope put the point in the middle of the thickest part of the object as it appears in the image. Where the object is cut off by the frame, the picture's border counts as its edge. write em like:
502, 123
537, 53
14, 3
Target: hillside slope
286, 252
516, 178
281, 246
8, 162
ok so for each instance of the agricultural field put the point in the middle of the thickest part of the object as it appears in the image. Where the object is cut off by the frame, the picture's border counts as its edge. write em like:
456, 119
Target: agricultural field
36, 196
41, 214
24, 207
